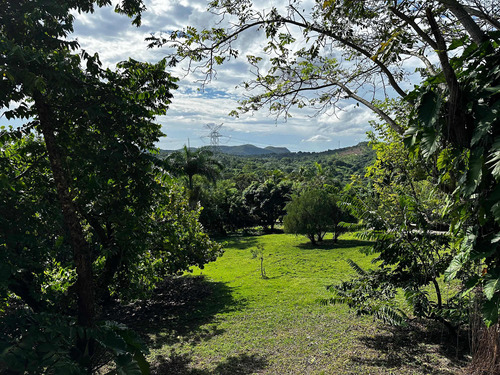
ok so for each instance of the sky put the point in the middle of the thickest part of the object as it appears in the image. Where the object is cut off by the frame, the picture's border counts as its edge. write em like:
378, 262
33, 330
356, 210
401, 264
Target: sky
194, 108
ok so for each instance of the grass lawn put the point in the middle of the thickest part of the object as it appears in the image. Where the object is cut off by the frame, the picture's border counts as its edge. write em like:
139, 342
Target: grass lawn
232, 321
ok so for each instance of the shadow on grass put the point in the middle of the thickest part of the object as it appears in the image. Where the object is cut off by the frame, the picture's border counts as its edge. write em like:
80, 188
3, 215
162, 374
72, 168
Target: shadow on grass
179, 364
180, 307
241, 243
425, 348
329, 244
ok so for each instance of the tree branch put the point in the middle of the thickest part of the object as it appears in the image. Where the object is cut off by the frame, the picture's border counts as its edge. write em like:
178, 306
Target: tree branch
355, 47
319, 30
492, 21
425, 60
415, 27
472, 28
394, 126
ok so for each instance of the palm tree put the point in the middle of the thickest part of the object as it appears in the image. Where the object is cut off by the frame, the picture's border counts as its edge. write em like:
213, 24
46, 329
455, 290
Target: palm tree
190, 162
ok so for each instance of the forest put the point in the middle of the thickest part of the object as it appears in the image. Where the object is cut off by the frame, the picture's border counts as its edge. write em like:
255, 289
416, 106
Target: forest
118, 258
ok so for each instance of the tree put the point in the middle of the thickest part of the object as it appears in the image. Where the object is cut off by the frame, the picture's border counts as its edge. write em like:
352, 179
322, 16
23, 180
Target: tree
468, 167
336, 49
267, 200
34, 53
223, 208
313, 213
400, 208
198, 162
88, 210
190, 163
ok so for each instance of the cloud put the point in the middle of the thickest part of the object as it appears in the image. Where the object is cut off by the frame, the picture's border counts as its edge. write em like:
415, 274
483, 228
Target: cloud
115, 39
348, 120
317, 138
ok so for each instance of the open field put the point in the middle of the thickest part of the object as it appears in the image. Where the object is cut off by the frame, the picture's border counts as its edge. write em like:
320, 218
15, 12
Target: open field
232, 321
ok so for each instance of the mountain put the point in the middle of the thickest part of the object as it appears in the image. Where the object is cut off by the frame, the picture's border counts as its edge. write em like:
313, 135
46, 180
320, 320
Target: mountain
278, 150
251, 150
245, 150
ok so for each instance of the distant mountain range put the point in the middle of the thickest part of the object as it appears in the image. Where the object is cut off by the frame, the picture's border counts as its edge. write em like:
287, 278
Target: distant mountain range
251, 150
246, 150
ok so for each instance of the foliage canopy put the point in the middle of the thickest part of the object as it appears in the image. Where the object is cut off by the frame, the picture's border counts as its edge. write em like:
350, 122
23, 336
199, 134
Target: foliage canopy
87, 211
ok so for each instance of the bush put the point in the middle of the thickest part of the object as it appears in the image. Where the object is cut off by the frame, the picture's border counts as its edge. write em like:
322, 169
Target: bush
312, 214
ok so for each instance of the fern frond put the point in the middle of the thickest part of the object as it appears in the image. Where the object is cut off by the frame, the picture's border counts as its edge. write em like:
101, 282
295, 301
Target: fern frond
336, 300
356, 267
392, 316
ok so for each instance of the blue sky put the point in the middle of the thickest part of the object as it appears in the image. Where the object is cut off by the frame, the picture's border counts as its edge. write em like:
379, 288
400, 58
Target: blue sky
115, 39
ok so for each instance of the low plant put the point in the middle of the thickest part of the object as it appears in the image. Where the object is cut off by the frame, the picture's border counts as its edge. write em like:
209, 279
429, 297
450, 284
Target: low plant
259, 254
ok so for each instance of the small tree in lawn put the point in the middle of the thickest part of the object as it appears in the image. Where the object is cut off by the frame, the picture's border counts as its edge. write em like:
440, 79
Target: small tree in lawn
259, 254
312, 214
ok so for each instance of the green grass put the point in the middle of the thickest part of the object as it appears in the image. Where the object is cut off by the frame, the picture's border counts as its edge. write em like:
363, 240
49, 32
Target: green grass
244, 324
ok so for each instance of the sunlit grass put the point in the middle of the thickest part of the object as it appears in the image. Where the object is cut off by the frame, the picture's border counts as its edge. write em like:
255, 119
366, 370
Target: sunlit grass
275, 325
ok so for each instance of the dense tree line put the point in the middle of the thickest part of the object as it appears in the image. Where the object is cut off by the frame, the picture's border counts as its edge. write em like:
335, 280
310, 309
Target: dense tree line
253, 191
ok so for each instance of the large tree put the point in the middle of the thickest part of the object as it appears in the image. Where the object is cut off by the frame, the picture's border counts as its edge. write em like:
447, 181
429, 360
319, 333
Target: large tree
87, 211
363, 50
266, 200
194, 162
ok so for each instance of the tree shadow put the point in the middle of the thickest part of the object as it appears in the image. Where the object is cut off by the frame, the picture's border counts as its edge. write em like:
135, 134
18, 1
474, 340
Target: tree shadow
242, 243
422, 347
330, 244
178, 308
179, 364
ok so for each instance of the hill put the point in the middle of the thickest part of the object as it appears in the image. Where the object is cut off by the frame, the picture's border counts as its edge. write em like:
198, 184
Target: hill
244, 150
251, 150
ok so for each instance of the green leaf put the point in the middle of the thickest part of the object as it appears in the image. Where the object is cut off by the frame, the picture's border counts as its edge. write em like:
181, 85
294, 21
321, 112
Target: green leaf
429, 142
495, 159
493, 90
487, 115
490, 311
495, 210
491, 287
475, 172
111, 341
456, 43
428, 110
456, 265
461, 259
142, 362
470, 285
125, 365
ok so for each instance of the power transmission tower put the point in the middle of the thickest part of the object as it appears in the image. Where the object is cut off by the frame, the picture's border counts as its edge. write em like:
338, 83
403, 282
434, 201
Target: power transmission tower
214, 136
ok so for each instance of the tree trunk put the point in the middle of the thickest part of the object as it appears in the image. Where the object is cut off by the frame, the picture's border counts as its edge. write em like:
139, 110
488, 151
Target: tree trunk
312, 239
458, 131
81, 250
438, 294
473, 29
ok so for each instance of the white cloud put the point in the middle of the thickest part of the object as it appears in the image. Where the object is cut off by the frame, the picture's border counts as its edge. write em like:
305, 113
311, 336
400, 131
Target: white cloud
348, 120
317, 138
115, 39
